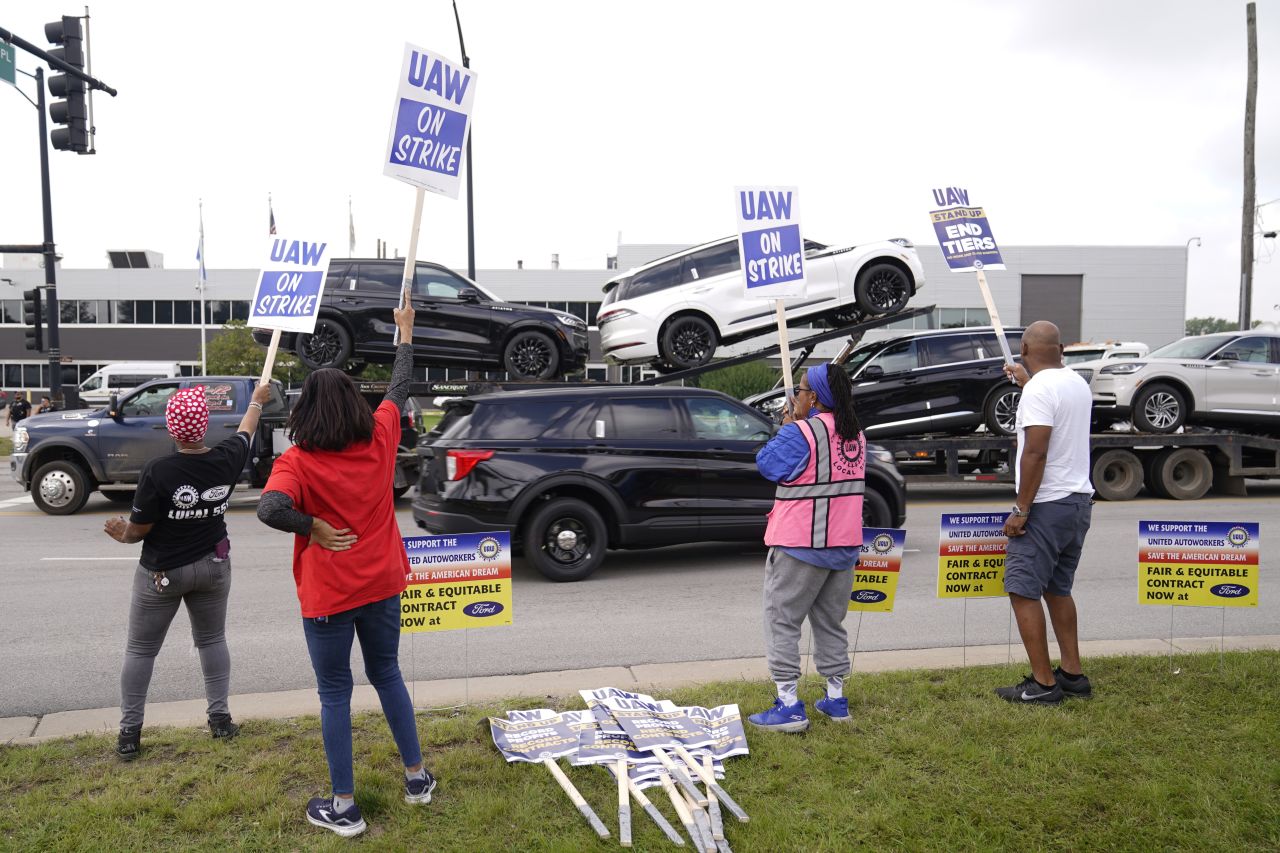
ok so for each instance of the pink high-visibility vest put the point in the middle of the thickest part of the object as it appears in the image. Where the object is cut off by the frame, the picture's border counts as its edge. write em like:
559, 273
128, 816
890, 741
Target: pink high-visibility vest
821, 508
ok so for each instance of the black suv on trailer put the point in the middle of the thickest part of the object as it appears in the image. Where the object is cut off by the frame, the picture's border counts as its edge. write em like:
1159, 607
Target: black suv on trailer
459, 324
938, 381
572, 471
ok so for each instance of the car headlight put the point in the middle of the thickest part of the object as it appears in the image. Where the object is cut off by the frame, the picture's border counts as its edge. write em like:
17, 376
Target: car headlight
571, 321
903, 242
880, 454
20, 439
1123, 369
615, 314
773, 405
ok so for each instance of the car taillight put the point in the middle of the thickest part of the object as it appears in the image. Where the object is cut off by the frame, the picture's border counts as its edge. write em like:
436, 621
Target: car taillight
458, 463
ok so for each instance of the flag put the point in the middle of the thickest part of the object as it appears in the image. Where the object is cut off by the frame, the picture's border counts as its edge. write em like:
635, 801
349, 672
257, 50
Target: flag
272, 211
204, 274
351, 225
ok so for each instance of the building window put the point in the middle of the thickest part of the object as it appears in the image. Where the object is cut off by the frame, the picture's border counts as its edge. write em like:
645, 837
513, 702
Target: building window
13, 375
144, 311
182, 313
597, 374
164, 312
92, 310
33, 375
122, 311
11, 311
593, 308
218, 312
240, 310
67, 311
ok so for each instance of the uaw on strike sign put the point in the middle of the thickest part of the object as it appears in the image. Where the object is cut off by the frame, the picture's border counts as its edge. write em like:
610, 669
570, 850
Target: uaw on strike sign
1198, 563
290, 286
457, 581
430, 123
769, 241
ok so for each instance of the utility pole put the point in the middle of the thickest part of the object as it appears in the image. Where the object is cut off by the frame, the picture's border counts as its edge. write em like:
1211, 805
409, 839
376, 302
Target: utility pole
471, 196
1249, 214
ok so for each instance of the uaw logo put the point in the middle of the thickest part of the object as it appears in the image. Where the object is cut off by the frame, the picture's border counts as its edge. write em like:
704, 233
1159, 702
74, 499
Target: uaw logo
186, 497
849, 457
1237, 537
882, 544
489, 548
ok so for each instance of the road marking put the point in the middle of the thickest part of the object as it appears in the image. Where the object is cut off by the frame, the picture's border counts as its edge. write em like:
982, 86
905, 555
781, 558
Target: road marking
84, 559
25, 499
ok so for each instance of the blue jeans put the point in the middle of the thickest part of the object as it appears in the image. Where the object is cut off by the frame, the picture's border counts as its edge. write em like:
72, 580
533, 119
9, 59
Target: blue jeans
329, 643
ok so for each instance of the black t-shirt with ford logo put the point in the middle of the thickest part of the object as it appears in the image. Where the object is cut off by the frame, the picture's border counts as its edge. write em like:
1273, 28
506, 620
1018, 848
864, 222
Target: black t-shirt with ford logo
186, 497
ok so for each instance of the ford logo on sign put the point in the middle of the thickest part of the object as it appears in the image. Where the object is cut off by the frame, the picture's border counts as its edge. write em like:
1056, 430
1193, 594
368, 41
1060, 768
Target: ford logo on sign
483, 608
869, 596
1230, 590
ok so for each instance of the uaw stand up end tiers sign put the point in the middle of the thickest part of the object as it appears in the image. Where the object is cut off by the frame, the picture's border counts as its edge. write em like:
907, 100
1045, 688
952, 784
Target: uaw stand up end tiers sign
1198, 563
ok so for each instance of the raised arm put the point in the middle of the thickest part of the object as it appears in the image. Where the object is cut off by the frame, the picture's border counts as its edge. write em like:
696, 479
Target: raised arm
261, 396
401, 371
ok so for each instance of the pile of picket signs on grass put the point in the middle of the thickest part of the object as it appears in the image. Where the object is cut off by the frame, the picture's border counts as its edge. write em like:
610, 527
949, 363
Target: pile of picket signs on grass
643, 742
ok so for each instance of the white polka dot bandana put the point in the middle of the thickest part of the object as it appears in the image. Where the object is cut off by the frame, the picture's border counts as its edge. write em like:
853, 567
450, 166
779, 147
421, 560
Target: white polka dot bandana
187, 415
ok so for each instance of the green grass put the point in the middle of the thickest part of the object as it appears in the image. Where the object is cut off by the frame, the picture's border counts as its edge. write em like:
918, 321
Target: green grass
6, 446
933, 762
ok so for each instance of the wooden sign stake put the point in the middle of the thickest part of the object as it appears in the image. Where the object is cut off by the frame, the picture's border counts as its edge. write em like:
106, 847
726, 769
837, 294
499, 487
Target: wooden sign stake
995, 316
576, 798
624, 805
270, 363
411, 259
652, 811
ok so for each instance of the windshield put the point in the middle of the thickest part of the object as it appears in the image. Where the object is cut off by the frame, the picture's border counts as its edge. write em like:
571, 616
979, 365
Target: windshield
1079, 355
1198, 347
93, 383
859, 357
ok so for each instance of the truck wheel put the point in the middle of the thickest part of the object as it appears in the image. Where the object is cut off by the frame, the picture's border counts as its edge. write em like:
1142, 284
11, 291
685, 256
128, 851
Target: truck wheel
1184, 473
565, 540
60, 487
1001, 411
882, 289
688, 341
1117, 475
531, 355
117, 497
875, 510
328, 346
1159, 408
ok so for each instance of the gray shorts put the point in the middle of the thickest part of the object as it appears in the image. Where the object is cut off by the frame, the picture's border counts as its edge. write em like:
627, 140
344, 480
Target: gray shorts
1045, 558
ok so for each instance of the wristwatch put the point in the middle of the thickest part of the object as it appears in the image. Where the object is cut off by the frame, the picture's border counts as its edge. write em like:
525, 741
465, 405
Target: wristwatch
1019, 513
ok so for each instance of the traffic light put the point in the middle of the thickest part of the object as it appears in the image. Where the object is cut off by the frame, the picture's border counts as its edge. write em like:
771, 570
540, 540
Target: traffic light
71, 111
32, 315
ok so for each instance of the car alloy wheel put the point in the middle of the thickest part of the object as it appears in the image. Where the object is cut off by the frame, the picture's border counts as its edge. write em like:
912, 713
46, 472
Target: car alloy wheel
882, 289
1006, 411
1162, 410
691, 342
531, 356
327, 346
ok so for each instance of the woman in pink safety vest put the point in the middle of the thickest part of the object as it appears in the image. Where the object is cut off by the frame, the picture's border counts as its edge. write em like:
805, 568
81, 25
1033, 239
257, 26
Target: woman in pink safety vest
814, 538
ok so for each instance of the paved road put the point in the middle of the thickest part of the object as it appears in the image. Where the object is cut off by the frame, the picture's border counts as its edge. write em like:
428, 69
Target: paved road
66, 603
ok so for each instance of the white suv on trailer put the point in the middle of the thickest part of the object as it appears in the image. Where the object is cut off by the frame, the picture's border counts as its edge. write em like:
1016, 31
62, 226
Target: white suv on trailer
675, 311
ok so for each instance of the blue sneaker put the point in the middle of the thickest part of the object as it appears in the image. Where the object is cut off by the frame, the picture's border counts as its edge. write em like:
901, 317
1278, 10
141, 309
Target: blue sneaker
419, 790
781, 718
836, 709
320, 812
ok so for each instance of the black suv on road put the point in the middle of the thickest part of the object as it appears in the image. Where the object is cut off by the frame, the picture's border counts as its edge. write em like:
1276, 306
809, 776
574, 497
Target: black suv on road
940, 381
573, 471
459, 324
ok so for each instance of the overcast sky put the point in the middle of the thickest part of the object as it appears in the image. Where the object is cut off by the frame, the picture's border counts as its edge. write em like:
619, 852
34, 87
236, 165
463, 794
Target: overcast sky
1071, 122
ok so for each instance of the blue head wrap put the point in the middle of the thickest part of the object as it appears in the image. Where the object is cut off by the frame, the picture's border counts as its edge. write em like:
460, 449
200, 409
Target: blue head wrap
817, 377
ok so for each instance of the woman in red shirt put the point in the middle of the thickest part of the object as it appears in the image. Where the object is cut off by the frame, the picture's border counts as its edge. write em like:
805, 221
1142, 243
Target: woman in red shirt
332, 489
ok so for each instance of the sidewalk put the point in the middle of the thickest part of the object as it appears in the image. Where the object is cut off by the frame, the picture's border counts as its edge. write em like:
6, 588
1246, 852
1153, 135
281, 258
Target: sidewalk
447, 693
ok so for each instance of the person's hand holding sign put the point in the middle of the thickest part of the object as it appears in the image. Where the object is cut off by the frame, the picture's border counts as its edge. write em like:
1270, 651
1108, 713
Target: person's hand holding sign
1017, 374
404, 320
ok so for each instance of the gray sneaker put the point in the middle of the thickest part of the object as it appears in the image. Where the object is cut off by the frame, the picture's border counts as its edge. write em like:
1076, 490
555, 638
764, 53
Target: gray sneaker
1029, 692
1074, 686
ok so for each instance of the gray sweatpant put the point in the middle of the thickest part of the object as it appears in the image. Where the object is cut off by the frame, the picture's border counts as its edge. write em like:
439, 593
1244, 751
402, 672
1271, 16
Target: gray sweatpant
794, 589
204, 586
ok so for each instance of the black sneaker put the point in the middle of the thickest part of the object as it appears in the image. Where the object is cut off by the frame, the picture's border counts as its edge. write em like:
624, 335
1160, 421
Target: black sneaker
1074, 686
320, 812
1029, 692
221, 726
419, 790
129, 744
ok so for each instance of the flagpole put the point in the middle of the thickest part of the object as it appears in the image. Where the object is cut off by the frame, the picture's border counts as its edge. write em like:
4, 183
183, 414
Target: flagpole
204, 360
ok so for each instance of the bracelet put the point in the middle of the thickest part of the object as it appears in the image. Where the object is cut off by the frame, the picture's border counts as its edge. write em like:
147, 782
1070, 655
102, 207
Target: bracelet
256, 405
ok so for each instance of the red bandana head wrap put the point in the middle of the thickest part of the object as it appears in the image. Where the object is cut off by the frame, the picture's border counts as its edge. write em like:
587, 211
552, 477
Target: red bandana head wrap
187, 415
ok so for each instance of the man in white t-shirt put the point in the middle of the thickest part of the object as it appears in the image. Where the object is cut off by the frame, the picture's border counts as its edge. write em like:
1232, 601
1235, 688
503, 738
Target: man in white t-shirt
1051, 516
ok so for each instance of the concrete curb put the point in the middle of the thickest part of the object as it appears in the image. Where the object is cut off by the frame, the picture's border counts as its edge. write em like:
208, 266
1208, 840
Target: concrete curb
451, 692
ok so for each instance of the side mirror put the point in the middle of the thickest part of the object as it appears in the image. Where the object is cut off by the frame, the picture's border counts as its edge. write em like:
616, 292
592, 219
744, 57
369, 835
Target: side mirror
468, 294
872, 371
114, 407
1229, 355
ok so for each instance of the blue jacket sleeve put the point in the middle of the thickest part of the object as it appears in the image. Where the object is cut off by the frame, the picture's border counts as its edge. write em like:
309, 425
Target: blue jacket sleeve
785, 456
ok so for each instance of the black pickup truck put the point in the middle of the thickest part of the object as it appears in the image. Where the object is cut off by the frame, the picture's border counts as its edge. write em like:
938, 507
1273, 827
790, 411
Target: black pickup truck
62, 457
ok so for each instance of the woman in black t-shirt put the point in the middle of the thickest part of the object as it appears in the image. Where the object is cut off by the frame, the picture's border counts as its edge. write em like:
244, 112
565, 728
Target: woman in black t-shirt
178, 516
